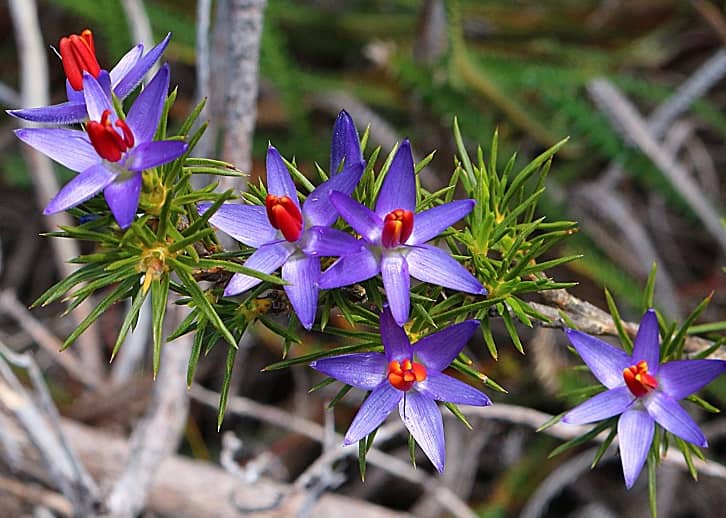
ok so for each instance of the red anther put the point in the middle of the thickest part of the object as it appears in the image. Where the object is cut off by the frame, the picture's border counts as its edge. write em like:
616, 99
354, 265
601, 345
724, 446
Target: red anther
397, 227
78, 54
106, 140
285, 216
639, 380
402, 375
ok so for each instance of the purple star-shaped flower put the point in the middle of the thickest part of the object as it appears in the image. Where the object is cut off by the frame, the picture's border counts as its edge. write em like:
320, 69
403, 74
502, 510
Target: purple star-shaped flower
394, 237
288, 236
112, 153
79, 57
410, 377
642, 390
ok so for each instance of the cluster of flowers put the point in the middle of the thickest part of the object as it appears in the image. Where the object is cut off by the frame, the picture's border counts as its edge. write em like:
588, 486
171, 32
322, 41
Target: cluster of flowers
113, 150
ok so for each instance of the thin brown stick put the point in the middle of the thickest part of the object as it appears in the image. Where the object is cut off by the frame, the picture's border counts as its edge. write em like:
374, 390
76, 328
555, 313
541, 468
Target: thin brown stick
36, 495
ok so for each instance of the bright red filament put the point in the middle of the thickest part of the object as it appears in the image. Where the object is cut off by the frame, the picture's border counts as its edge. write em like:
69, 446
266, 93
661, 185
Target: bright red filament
402, 375
106, 140
639, 380
78, 54
397, 227
285, 216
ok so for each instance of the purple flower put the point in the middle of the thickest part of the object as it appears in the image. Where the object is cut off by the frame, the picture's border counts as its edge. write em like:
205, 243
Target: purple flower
394, 237
410, 377
112, 153
642, 390
78, 56
288, 236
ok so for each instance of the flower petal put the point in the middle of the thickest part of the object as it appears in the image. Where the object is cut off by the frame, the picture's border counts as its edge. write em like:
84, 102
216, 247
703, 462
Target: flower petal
349, 270
606, 404
327, 241
436, 351
422, 417
144, 115
318, 208
154, 153
395, 342
361, 370
265, 259
361, 218
83, 187
397, 283
279, 181
344, 144
68, 147
133, 77
670, 415
245, 223
122, 197
430, 264
97, 99
647, 342
681, 378
445, 388
430, 223
63, 113
302, 272
606, 362
125, 64
399, 187
635, 433
373, 412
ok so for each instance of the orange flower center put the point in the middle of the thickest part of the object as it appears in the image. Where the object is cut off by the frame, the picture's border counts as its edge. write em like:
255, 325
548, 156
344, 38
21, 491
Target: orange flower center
106, 140
79, 55
397, 227
402, 375
639, 380
284, 216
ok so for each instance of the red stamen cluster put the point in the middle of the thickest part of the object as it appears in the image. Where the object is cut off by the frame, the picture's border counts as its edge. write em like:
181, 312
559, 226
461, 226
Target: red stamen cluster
639, 380
397, 227
285, 216
402, 375
79, 55
106, 140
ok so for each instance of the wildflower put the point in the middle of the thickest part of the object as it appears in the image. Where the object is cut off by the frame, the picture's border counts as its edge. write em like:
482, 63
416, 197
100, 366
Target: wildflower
394, 238
290, 236
112, 153
642, 390
78, 57
410, 377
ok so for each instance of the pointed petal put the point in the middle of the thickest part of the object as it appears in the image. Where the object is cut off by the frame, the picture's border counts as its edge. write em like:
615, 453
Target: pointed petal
144, 115
83, 187
245, 223
681, 378
395, 342
327, 241
445, 388
606, 362
647, 342
373, 412
362, 370
153, 154
345, 144
266, 259
430, 223
430, 264
133, 77
279, 181
75, 96
125, 64
68, 147
97, 99
397, 283
64, 113
302, 272
399, 187
318, 209
670, 415
635, 433
606, 404
349, 270
436, 351
422, 417
123, 199
362, 219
